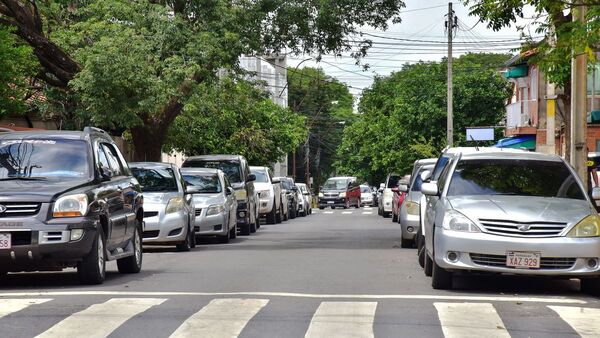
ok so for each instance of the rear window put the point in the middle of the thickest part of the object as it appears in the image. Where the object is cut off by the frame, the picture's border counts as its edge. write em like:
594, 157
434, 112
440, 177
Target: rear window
416, 186
336, 184
261, 175
514, 177
365, 189
156, 180
439, 167
231, 168
206, 183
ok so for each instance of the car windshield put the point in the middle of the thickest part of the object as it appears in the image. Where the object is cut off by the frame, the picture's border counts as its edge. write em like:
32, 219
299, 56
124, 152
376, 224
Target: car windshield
303, 189
156, 179
336, 184
261, 175
365, 189
393, 181
514, 177
67, 159
231, 168
287, 183
206, 183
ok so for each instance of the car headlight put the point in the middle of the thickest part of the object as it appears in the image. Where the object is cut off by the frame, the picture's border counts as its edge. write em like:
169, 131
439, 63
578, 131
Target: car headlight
321, 195
342, 195
456, 221
71, 206
240, 194
412, 208
588, 227
214, 210
264, 193
175, 205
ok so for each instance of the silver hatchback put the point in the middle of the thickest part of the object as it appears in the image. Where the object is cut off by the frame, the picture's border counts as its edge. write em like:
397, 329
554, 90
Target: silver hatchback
512, 213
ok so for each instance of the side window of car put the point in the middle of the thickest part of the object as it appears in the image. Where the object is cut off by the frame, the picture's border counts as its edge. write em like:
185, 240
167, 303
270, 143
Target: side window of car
115, 166
102, 160
444, 176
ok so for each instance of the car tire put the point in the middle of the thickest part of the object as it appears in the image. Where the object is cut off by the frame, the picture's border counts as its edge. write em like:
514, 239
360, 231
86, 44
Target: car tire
233, 232
186, 245
394, 217
590, 286
321, 208
357, 204
133, 263
92, 269
441, 279
245, 230
272, 216
347, 204
387, 214
406, 243
253, 227
333, 207
193, 237
420, 250
224, 239
427, 264
279, 216
293, 213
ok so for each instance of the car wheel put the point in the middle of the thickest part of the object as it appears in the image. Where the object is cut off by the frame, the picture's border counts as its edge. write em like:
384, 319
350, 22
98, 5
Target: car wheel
293, 213
590, 286
186, 245
428, 264
333, 207
272, 216
406, 243
279, 216
394, 217
92, 269
321, 208
245, 230
441, 279
387, 214
357, 206
193, 237
133, 263
347, 204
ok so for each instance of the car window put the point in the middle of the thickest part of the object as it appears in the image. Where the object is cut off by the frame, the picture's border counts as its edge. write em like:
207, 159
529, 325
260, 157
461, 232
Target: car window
336, 184
226, 181
44, 158
156, 179
417, 181
231, 168
365, 189
261, 175
206, 183
439, 167
113, 162
102, 160
514, 177
393, 181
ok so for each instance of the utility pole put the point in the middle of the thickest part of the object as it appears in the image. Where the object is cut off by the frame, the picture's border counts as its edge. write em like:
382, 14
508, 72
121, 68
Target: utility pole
450, 24
579, 103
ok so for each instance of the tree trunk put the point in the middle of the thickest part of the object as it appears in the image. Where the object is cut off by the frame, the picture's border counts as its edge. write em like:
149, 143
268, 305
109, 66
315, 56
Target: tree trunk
147, 143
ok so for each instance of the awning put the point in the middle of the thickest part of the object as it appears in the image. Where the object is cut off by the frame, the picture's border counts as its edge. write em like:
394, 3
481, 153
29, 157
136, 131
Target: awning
518, 142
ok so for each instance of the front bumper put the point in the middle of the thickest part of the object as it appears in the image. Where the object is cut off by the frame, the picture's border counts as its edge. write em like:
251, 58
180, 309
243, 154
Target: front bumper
164, 228
242, 215
214, 225
331, 202
266, 206
409, 221
484, 252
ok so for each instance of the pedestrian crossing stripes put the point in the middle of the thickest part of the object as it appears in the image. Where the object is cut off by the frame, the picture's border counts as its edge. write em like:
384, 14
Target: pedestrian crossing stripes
228, 317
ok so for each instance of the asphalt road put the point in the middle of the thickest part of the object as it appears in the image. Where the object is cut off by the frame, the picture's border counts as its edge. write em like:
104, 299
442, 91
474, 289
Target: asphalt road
336, 273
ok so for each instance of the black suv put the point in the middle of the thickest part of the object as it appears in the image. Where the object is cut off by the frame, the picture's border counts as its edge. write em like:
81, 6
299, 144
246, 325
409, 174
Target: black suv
68, 199
242, 181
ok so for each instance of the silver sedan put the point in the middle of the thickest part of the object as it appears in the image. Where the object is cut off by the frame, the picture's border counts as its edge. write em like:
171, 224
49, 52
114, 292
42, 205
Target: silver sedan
511, 212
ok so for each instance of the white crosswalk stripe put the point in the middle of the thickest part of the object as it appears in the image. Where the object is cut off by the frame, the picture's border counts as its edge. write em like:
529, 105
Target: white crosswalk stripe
221, 318
583, 320
8, 306
367, 213
328, 212
100, 320
466, 320
346, 212
343, 319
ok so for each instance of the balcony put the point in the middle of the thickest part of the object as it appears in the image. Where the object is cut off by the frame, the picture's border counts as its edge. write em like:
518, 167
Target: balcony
517, 121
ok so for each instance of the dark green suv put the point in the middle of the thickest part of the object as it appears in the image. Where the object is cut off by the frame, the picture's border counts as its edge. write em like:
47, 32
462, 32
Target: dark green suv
68, 199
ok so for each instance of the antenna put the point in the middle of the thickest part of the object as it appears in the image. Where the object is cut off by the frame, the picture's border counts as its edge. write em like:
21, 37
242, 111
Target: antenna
473, 139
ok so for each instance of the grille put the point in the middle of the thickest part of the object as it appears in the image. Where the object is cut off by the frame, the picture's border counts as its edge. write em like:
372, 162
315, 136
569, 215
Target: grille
150, 234
150, 214
547, 263
331, 195
19, 237
20, 209
523, 229
198, 212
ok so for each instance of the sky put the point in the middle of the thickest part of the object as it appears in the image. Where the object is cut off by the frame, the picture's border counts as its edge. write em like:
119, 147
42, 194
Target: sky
423, 21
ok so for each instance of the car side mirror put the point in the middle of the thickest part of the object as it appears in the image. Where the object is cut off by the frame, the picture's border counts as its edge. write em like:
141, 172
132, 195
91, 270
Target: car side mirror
192, 190
382, 186
275, 181
105, 173
425, 175
403, 187
229, 191
251, 178
430, 189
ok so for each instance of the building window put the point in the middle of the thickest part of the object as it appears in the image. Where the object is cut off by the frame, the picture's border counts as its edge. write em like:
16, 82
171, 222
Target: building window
593, 81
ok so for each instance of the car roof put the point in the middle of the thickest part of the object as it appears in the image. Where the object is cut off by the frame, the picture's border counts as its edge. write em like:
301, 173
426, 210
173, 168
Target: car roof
150, 165
258, 167
518, 155
45, 134
216, 157
199, 170
425, 161
342, 177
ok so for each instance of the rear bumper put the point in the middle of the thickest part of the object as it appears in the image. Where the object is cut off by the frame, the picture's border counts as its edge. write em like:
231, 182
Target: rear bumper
407, 222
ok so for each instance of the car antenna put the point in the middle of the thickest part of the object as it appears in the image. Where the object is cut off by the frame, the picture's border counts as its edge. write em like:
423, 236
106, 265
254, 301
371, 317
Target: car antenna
473, 139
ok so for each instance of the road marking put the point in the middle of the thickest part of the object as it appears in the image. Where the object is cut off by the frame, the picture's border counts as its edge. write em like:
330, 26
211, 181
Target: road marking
8, 306
554, 300
470, 320
343, 319
346, 212
583, 320
367, 213
100, 320
328, 212
220, 318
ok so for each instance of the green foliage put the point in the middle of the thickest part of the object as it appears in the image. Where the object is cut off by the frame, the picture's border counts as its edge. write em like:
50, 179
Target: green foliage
17, 66
235, 117
403, 116
328, 107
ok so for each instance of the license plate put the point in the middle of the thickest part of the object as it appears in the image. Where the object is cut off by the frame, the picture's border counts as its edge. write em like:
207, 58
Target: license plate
5, 241
330, 202
523, 259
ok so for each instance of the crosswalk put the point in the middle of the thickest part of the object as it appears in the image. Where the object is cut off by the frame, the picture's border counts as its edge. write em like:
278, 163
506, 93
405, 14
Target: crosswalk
228, 317
361, 211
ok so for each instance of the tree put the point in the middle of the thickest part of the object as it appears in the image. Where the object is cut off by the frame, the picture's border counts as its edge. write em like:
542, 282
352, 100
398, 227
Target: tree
17, 66
135, 64
236, 117
562, 37
327, 105
403, 116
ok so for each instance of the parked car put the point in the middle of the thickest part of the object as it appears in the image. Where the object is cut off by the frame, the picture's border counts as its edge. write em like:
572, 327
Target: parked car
340, 192
306, 205
214, 203
68, 199
289, 189
375, 196
387, 195
398, 198
379, 199
269, 194
366, 195
409, 211
285, 202
511, 212
238, 173
168, 212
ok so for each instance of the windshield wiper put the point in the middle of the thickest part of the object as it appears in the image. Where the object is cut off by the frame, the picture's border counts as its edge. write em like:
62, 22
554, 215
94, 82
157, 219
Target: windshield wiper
23, 178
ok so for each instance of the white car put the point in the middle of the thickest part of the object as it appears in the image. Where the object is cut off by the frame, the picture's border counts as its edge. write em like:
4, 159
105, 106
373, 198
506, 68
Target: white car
269, 194
306, 200
366, 195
